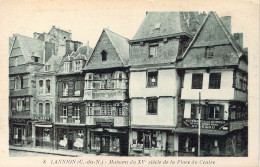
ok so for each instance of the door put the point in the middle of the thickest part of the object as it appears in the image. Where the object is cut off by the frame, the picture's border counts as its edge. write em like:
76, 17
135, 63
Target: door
19, 134
147, 141
70, 141
105, 145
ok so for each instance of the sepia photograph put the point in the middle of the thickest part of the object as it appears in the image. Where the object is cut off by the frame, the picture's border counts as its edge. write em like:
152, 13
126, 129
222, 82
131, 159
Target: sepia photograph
168, 85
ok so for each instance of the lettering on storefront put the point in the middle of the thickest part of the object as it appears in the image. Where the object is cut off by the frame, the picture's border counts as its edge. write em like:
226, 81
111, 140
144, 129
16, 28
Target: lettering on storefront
206, 124
104, 122
42, 118
69, 99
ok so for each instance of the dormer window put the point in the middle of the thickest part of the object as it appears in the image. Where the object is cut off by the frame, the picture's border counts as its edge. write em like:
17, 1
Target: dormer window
66, 67
104, 55
78, 65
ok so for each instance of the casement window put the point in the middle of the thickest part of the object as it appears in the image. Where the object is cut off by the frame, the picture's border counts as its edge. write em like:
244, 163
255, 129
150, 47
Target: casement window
40, 86
104, 55
20, 105
153, 50
77, 65
19, 82
90, 109
76, 117
152, 78
40, 108
64, 111
65, 88
66, 67
152, 106
197, 81
47, 108
106, 109
195, 111
209, 52
119, 110
119, 80
48, 86
215, 111
109, 109
103, 109
214, 80
77, 88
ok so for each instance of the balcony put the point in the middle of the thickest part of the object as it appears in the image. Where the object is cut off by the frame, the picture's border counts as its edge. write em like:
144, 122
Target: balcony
69, 120
104, 95
104, 120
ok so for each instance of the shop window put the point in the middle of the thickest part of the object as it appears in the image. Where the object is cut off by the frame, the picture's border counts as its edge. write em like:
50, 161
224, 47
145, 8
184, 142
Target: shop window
214, 80
215, 111
66, 67
115, 144
104, 55
40, 86
40, 108
48, 86
197, 80
78, 138
47, 109
153, 51
95, 142
152, 106
77, 88
140, 137
152, 78
65, 87
20, 105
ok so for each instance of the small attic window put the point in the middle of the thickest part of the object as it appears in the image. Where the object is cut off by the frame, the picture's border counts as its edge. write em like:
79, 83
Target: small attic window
36, 59
104, 55
157, 26
209, 52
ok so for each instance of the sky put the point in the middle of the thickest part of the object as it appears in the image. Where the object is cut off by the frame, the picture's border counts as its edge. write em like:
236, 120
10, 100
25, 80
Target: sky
86, 19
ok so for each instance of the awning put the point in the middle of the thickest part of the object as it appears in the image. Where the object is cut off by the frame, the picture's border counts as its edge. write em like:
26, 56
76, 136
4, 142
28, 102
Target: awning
202, 131
43, 125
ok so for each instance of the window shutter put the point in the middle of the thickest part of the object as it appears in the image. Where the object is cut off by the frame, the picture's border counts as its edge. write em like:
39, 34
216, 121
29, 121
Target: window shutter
11, 84
82, 114
60, 89
27, 103
13, 104
221, 112
60, 112
81, 88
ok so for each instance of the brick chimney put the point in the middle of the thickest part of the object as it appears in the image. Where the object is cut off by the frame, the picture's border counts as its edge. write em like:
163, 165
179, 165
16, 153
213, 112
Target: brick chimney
226, 20
239, 39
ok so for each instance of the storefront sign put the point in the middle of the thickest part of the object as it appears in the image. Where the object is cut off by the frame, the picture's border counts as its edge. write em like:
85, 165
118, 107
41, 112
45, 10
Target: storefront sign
104, 122
206, 124
70, 99
42, 118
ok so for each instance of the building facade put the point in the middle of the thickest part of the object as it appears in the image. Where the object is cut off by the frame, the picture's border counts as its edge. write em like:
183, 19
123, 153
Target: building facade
154, 82
106, 95
215, 66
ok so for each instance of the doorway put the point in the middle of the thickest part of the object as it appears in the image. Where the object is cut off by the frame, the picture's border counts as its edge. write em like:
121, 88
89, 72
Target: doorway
105, 144
147, 140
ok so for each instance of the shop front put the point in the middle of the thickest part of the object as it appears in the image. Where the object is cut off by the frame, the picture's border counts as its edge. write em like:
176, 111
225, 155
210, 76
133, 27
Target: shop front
20, 132
150, 142
44, 134
109, 140
71, 138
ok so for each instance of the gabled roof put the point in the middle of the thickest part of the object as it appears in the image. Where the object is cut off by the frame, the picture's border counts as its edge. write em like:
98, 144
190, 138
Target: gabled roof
30, 47
159, 24
229, 36
121, 45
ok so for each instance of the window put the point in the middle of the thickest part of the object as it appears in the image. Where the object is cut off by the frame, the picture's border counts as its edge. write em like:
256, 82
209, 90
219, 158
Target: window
64, 111
119, 110
65, 89
18, 82
195, 111
103, 109
152, 79
103, 84
214, 111
78, 65
214, 80
66, 67
48, 86
209, 52
109, 109
21, 81
40, 108
104, 55
20, 105
77, 88
47, 108
76, 110
153, 51
46, 68
197, 80
90, 110
40, 86
152, 106
36, 59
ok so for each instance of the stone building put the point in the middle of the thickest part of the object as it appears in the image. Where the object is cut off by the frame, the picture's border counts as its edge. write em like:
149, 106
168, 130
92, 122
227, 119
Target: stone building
215, 65
45, 95
154, 82
26, 57
70, 116
106, 95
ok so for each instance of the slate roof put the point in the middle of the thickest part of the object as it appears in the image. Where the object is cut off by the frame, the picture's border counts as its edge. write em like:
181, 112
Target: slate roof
170, 23
121, 45
30, 47
230, 37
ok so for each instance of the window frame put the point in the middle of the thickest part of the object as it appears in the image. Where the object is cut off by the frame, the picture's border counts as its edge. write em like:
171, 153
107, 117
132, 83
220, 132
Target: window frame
193, 84
103, 56
155, 46
156, 79
66, 67
151, 99
209, 114
39, 108
79, 88
212, 85
65, 109
47, 113
65, 93
48, 90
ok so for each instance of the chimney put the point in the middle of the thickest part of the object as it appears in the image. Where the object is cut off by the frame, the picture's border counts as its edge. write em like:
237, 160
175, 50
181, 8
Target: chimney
226, 20
202, 17
239, 39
